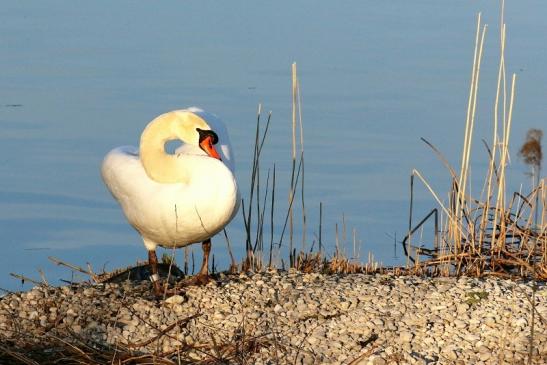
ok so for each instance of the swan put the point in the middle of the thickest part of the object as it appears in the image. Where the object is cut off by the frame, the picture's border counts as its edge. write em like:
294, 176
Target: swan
174, 200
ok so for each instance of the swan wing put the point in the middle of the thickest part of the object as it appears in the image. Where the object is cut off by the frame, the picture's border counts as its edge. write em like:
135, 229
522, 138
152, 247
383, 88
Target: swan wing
125, 178
147, 205
171, 214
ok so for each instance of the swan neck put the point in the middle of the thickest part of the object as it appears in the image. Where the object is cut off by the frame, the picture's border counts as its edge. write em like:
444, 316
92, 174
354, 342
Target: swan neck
159, 165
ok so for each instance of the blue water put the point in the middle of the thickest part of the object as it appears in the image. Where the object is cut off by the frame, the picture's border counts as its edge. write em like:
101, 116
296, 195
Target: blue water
79, 78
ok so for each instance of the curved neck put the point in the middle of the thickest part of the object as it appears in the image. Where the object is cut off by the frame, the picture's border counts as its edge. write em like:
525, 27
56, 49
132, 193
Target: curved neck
160, 166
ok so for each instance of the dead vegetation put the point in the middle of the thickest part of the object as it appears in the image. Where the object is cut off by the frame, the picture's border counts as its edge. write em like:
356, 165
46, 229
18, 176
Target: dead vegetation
497, 233
60, 345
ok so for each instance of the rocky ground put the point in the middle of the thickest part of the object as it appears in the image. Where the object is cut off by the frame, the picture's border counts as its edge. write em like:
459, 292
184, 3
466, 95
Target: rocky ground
280, 317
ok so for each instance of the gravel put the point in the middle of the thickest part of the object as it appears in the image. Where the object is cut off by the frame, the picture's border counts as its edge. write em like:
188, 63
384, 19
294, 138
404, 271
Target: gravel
292, 317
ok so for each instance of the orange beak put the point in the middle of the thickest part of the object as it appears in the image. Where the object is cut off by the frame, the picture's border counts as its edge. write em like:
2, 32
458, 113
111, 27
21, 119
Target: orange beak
207, 145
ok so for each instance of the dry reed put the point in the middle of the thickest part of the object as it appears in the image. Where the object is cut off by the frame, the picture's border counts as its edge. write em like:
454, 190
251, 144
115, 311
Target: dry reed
491, 234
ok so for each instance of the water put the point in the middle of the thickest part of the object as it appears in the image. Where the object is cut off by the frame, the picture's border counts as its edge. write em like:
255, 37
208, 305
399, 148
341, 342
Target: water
78, 79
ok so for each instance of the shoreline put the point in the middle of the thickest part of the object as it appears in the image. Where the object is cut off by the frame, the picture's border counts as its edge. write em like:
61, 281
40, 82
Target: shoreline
292, 317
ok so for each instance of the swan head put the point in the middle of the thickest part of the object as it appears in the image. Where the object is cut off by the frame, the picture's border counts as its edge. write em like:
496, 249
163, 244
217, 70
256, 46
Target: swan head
207, 140
183, 125
192, 129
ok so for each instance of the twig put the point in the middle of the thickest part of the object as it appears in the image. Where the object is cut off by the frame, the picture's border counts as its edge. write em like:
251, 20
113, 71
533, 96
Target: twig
73, 267
25, 278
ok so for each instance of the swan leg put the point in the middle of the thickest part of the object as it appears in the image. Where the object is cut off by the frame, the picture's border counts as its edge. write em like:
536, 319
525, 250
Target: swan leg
206, 247
155, 278
202, 277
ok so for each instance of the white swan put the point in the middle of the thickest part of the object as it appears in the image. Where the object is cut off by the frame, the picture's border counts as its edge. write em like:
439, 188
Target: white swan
174, 200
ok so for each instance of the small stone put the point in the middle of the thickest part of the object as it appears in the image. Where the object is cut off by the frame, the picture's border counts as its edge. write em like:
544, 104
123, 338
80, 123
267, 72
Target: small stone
14, 304
473, 339
378, 360
35, 294
462, 308
175, 299
452, 355
490, 322
405, 336
344, 305
378, 322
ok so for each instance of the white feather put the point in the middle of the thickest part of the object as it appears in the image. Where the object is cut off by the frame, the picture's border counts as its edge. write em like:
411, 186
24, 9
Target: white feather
176, 214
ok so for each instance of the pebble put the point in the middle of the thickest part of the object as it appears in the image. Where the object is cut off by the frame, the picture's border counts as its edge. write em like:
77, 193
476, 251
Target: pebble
405, 336
175, 299
308, 318
452, 355
484, 356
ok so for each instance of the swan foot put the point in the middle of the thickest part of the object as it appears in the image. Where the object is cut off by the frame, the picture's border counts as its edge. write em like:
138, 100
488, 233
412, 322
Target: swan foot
202, 278
196, 280
159, 289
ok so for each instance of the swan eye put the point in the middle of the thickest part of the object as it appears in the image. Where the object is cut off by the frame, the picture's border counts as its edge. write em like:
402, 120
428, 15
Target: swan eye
207, 133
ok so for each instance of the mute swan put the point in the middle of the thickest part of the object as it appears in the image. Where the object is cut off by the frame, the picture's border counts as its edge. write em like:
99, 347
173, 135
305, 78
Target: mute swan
174, 200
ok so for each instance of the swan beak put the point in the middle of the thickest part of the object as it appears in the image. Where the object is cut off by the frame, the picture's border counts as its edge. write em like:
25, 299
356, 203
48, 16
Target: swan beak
207, 145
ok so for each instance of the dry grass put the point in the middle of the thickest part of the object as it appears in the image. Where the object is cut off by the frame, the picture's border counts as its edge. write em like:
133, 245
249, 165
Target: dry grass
492, 234
59, 345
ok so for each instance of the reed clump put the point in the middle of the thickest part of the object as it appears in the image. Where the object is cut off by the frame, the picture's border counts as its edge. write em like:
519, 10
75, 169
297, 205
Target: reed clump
496, 233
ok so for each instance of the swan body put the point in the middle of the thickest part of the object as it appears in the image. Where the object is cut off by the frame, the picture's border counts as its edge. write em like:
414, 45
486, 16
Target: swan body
179, 199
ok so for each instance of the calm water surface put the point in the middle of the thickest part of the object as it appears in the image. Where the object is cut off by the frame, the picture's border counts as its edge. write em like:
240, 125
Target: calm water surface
79, 78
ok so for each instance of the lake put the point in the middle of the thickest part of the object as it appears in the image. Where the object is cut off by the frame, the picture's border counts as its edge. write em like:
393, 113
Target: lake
79, 78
